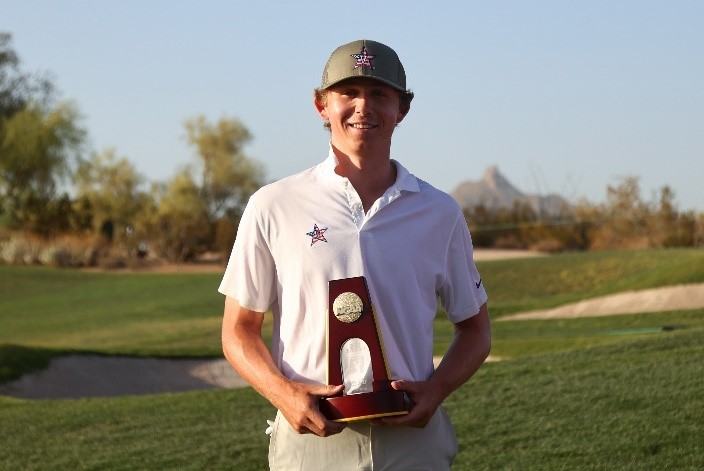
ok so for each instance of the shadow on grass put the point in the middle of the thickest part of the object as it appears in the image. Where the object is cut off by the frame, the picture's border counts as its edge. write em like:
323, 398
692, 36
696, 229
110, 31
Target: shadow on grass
16, 360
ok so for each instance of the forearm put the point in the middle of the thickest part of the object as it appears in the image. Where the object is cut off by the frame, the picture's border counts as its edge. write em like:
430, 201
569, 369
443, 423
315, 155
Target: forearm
246, 351
467, 352
253, 362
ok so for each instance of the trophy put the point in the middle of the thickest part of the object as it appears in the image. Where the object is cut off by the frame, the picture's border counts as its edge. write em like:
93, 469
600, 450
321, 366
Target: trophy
356, 357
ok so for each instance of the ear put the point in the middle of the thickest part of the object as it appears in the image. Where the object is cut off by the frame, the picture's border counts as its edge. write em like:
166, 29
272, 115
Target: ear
402, 112
322, 112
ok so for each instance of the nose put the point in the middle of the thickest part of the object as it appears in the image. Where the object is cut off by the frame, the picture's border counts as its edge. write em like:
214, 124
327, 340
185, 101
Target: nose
363, 103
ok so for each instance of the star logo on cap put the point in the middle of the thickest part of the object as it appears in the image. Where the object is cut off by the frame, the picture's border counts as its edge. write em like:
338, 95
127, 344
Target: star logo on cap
364, 59
317, 234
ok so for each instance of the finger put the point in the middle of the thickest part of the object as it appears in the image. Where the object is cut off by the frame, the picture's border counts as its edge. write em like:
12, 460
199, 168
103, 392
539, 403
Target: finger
412, 419
309, 426
335, 427
418, 416
327, 391
321, 425
401, 419
325, 428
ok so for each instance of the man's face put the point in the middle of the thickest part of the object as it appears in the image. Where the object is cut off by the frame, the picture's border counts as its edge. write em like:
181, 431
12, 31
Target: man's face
362, 114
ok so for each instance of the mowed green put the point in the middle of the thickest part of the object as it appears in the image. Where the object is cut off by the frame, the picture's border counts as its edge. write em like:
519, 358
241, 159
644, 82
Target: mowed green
604, 393
132, 314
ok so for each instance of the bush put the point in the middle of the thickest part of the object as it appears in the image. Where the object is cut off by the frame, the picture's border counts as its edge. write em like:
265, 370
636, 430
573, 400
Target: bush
112, 262
510, 241
548, 246
63, 251
69, 251
20, 249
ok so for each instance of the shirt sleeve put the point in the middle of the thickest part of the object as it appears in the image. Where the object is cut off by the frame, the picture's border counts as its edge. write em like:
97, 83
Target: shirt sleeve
250, 273
462, 293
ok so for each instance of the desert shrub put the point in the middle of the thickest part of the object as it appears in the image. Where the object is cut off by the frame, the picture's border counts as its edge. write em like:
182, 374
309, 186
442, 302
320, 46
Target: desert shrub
112, 262
548, 246
69, 251
510, 241
20, 249
56, 256
62, 251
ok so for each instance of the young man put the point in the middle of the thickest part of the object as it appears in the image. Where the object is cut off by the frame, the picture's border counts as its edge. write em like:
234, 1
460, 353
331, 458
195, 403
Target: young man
358, 213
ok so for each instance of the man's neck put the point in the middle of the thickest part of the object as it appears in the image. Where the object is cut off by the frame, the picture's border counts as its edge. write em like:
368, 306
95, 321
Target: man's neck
370, 175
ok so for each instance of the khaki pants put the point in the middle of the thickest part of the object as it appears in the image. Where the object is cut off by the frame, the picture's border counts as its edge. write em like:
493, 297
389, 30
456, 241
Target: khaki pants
363, 446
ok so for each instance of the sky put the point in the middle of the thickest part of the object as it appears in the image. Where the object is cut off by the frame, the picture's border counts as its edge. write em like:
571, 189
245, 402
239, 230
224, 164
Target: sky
562, 96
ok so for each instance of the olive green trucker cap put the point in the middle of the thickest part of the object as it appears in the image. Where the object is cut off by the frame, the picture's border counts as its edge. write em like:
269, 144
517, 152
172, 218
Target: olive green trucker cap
364, 58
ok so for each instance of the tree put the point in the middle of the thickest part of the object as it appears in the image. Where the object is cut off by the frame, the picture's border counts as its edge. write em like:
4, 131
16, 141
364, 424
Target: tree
16, 87
229, 177
9, 99
39, 141
38, 148
110, 186
178, 225
669, 227
626, 217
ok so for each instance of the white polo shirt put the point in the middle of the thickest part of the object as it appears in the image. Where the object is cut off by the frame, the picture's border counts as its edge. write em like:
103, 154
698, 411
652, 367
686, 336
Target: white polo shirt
413, 247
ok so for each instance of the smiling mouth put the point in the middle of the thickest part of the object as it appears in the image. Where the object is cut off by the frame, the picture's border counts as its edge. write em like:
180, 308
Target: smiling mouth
361, 126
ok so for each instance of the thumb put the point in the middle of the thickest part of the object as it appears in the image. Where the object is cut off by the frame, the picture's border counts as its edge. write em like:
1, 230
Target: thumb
403, 385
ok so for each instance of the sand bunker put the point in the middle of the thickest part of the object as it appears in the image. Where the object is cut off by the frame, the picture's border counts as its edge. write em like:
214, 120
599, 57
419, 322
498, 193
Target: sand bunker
78, 376
669, 298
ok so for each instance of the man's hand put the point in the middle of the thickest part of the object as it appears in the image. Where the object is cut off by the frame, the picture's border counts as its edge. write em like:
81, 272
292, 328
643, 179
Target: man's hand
425, 400
469, 348
299, 405
246, 351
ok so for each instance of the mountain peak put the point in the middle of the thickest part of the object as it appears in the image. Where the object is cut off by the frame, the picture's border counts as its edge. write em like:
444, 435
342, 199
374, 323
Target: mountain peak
495, 191
491, 171
495, 180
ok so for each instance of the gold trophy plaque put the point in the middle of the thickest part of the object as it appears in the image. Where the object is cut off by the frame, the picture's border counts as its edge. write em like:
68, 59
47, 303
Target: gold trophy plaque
356, 357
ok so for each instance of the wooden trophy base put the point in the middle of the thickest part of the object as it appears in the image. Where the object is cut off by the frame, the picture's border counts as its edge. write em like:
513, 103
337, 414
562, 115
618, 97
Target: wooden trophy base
364, 406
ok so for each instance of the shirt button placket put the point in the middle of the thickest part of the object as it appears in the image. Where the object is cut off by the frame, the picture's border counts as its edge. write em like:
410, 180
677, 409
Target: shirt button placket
355, 205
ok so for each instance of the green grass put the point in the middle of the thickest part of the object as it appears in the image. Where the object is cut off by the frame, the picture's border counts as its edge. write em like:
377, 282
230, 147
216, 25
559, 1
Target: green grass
636, 405
536, 283
143, 314
523, 338
601, 393
179, 315
48, 312
512, 339
197, 431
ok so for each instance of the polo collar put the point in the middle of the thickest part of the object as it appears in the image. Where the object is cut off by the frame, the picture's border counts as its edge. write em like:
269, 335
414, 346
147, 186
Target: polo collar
405, 180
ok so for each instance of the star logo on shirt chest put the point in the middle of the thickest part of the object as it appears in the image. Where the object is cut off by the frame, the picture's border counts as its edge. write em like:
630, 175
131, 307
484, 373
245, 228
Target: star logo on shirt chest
317, 234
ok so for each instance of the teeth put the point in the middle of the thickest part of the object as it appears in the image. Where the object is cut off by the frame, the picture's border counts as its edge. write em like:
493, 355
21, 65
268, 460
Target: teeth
362, 126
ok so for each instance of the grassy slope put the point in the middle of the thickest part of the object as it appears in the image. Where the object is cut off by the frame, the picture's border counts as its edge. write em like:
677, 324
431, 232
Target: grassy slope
145, 314
535, 283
